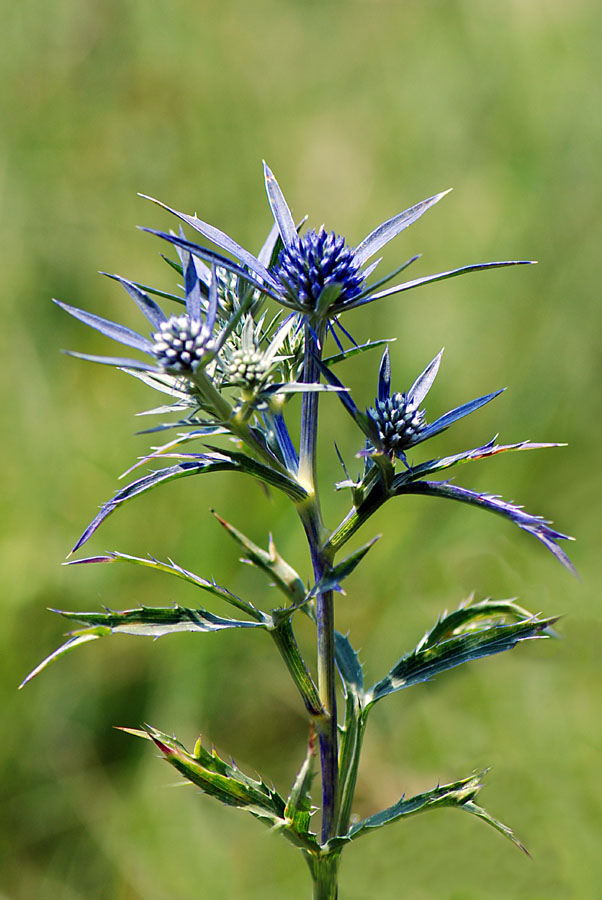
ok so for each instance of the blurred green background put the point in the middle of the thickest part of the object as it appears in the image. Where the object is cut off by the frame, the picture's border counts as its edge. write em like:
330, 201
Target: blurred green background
361, 108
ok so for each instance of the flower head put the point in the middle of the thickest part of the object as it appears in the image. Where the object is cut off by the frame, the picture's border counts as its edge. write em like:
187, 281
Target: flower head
317, 269
317, 274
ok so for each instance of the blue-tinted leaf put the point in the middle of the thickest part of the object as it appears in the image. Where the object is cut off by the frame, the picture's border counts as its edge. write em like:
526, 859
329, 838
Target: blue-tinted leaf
423, 383
151, 310
355, 351
269, 287
459, 412
204, 464
390, 275
110, 329
447, 462
221, 240
535, 525
269, 250
348, 664
280, 211
392, 227
193, 290
440, 276
121, 362
384, 377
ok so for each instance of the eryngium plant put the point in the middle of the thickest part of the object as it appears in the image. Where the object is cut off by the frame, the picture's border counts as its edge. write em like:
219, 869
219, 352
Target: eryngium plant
242, 335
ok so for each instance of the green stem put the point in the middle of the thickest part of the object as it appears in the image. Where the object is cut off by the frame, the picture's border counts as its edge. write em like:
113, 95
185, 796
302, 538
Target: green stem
285, 641
325, 872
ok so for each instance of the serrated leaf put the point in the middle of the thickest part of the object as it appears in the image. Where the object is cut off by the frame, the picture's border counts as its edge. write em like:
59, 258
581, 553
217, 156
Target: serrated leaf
172, 568
226, 783
448, 462
156, 621
434, 655
459, 794
204, 464
269, 561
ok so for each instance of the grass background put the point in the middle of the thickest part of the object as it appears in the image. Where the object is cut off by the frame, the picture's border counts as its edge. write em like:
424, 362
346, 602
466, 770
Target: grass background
361, 108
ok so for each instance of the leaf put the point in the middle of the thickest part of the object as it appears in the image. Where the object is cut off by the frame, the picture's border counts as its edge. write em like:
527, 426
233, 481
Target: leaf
172, 568
226, 783
535, 525
119, 361
90, 635
459, 794
109, 329
280, 211
220, 239
355, 351
156, 621
151, 310
284, 576
448, 462
434, 655
386, 231
331, 580
423, 383
206, 463
348, 664
459, 412
440, 276
299, 806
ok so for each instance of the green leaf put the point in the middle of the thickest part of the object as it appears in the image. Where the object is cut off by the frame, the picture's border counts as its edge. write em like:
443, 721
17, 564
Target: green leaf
226, 783
459, 794
283, 575
156, 621
331, 580
82, 638
172, 568
147, 621
298, 806
454, 640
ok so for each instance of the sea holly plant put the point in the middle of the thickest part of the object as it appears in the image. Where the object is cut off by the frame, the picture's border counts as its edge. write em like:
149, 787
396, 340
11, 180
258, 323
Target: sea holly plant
237, 337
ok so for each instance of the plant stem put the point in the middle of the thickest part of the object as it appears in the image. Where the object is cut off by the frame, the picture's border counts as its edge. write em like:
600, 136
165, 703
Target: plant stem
309, 512
325, 871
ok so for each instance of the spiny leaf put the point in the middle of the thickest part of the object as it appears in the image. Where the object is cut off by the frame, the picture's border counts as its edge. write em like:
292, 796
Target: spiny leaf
436, 655
284, 576
172, 568
82, 638
459, 794
157, 621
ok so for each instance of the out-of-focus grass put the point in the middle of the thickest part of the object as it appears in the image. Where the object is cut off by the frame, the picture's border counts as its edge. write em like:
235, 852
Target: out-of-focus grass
361, 109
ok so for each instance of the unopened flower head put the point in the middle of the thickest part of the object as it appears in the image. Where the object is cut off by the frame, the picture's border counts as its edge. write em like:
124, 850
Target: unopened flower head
318, 260
248, 368
399, 422
182, 343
